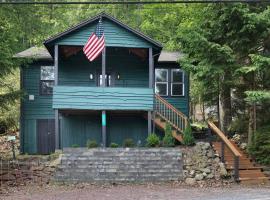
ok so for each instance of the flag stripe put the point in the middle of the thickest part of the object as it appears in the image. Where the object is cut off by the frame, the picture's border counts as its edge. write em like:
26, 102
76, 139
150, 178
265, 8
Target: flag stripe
93, 47
89, 41
96, 47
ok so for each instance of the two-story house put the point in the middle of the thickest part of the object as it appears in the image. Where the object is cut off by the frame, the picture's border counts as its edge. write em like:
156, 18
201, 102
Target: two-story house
66, 102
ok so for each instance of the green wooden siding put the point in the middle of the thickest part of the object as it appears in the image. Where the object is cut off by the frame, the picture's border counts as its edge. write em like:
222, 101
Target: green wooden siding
39, 108
77, 129
115, 36
98, 98
132, 70
181, 102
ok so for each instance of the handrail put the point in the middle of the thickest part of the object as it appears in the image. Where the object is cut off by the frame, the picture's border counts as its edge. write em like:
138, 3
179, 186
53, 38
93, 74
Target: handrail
169, 113
226, 141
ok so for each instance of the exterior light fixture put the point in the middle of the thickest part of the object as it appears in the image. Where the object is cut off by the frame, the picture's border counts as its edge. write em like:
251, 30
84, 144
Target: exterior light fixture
118, 76
91, 76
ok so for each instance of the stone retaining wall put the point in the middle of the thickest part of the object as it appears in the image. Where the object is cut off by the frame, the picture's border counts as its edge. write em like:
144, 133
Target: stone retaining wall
120, 164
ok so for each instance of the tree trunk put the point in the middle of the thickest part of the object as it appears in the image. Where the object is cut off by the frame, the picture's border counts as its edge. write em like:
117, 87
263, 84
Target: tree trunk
225, 108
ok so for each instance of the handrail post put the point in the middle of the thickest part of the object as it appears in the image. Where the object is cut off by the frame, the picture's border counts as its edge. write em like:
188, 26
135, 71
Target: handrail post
222, 152
236, 168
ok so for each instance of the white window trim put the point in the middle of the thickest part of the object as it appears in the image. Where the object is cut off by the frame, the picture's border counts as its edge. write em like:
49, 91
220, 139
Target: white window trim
167, 82
183, 83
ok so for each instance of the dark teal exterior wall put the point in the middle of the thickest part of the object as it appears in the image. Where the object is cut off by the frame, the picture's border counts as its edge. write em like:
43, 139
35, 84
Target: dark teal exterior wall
39, 108
133, 71
115, 36
182, 102
77, 129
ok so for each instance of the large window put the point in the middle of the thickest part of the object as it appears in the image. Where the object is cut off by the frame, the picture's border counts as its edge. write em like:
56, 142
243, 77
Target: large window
161, 82
169, 77
177, 82
46, 80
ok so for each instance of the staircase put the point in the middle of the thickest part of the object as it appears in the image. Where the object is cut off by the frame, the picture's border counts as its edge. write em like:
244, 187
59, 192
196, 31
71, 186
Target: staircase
167, 113
249, 171
237, 160
120, 165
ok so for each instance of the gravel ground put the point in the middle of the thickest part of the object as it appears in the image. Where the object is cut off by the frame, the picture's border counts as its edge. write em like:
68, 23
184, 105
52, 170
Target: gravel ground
139, 192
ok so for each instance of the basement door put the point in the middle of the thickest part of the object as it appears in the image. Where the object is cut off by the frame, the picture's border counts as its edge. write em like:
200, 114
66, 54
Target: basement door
45, 136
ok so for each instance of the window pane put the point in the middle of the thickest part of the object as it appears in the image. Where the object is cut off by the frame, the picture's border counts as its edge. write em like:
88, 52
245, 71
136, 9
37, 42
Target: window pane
161, 75
47, 73
177, 75
161, 88
46, 87
177, 89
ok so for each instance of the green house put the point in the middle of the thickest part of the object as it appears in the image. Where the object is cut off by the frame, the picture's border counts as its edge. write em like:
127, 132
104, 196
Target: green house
66, 102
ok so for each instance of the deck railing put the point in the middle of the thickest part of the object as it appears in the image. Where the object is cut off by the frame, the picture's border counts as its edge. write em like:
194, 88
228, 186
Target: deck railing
226, 142
170, 114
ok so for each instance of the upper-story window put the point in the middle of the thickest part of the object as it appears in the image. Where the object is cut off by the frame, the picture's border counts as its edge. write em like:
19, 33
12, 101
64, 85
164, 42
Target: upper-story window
177, 82
169, 77
46, 80
161, 81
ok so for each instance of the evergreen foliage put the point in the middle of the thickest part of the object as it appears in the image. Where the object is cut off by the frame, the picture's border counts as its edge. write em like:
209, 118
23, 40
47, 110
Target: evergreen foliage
152, 140
168, 140
188, 138
91, 144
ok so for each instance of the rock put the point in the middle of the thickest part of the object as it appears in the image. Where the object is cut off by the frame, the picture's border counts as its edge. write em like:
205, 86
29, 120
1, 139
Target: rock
210, 154
190, 181
192, 172
204, 174
217, 159
243, 146
206, 170
205, 146
199, 177
223, 171
210, 176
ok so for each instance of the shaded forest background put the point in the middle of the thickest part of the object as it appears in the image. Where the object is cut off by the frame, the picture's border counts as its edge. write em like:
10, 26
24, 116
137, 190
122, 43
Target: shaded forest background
226, 47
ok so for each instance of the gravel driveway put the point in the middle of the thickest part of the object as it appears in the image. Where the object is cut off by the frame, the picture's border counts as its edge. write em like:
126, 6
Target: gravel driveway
140, 192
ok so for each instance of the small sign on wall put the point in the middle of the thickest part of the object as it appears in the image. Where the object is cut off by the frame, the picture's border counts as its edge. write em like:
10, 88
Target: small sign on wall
103, 119
31, 97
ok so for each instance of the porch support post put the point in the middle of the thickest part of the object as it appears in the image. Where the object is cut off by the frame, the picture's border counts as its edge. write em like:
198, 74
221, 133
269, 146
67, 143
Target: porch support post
104, 139
56, 112
151, 69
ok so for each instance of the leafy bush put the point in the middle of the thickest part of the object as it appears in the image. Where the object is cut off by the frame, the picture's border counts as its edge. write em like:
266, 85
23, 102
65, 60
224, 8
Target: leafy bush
91, 144
75, 146
152, 140
260, 149
114, 145
128, 143
168, 140
188, 138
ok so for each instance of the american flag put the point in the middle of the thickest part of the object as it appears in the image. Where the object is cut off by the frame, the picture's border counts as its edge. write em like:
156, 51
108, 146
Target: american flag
95, 43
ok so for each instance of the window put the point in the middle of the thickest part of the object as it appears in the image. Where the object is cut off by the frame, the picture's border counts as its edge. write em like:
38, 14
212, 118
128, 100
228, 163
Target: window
108, 82
177, 82
161, 82
46, 80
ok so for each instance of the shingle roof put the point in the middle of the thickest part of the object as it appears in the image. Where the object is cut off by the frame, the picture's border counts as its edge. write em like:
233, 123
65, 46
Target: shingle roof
41, 53
170, 56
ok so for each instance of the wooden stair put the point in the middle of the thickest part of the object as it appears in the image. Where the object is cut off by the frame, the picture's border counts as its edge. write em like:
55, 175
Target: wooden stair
162, 124
167, 113
249, 171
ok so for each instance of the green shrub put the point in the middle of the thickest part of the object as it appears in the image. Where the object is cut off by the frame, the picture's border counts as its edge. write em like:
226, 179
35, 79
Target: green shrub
260, 149
188, 138
168, 140
152, 140
114, 145
128, 143
75, 145
91, 144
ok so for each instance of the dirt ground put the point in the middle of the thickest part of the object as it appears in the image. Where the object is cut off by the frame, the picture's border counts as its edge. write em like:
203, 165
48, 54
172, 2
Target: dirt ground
138, 192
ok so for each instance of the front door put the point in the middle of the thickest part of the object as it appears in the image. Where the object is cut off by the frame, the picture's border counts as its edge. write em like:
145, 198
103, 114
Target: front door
45, 136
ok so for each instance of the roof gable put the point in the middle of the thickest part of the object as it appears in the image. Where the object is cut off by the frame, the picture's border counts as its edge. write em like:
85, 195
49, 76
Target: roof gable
116, 33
